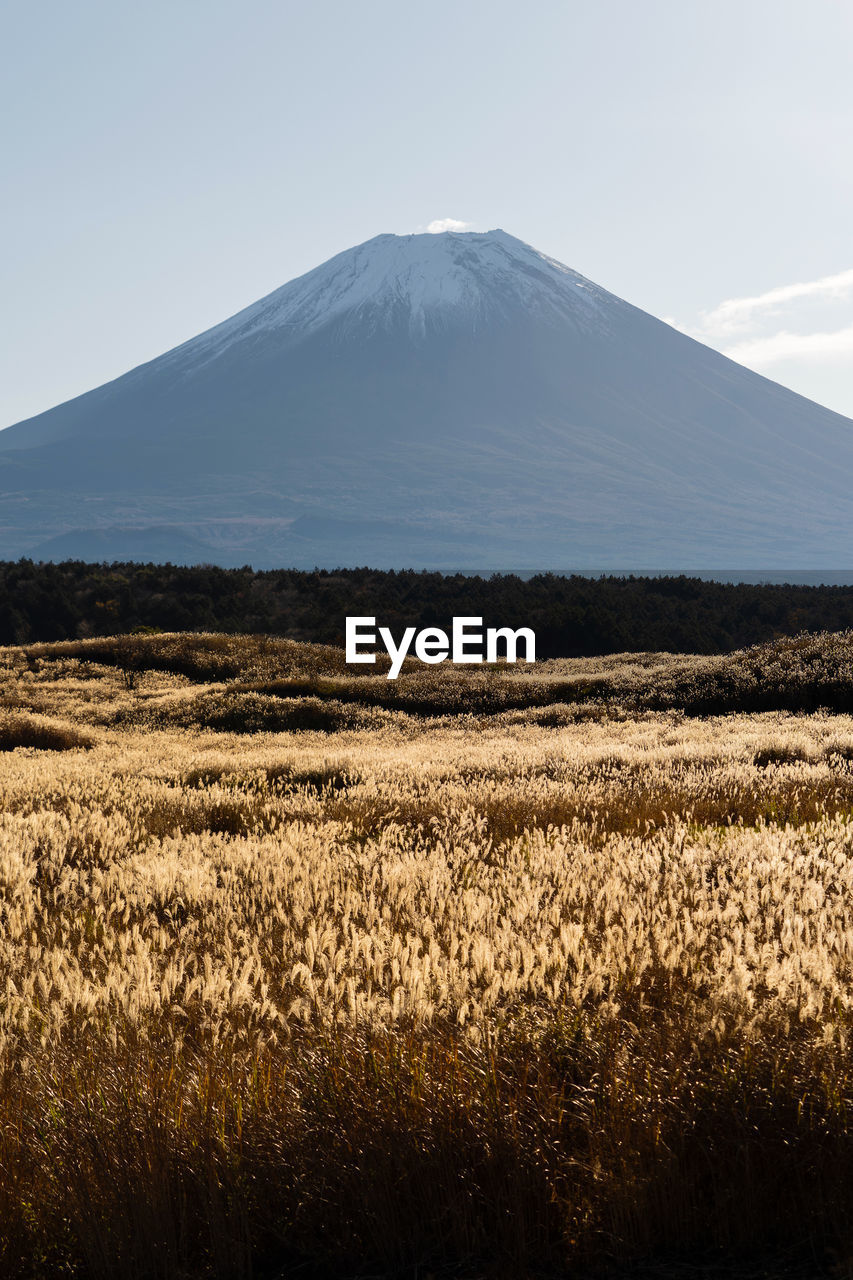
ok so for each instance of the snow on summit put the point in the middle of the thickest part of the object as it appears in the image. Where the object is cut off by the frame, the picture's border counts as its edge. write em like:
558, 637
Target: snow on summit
451, 399
419, 279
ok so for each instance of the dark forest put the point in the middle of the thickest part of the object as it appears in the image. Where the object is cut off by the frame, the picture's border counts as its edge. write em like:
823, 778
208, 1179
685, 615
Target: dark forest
572, 616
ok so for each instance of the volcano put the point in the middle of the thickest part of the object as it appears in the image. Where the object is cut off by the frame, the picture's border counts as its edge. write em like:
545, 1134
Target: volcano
453, 400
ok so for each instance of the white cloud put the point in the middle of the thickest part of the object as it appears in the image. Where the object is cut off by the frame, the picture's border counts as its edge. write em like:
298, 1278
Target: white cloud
737, 314
835, 345
447, 224
799, 333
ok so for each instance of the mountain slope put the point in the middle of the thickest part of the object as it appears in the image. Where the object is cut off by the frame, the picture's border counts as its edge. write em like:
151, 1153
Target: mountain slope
456, 399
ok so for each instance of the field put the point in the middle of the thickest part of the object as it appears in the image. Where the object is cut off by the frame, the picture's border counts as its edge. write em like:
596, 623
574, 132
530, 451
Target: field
480, 972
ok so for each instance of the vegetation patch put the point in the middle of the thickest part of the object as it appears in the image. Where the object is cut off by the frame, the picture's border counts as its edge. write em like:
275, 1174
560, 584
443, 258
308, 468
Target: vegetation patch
571, 616
293, 983
39, 733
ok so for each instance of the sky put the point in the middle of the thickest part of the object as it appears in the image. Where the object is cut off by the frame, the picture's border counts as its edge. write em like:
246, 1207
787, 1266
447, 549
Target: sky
165, 164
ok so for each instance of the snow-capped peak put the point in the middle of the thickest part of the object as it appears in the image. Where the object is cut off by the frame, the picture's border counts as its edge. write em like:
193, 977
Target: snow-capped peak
418, 280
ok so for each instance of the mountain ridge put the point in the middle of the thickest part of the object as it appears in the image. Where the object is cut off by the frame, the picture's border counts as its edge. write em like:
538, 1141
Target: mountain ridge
462, 386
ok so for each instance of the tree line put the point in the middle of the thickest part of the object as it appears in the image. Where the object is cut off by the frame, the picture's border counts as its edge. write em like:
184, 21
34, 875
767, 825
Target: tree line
571, 616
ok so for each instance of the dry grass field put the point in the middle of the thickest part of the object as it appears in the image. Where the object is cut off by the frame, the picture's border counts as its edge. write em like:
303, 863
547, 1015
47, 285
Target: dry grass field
485, 972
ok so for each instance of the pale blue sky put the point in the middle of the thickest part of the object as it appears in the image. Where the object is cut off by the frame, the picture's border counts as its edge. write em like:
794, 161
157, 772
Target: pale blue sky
165, 163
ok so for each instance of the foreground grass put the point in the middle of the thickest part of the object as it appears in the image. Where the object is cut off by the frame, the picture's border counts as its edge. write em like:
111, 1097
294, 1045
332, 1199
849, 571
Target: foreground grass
539, 990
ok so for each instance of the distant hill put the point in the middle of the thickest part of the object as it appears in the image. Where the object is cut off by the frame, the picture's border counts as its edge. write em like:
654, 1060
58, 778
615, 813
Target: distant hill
447, 400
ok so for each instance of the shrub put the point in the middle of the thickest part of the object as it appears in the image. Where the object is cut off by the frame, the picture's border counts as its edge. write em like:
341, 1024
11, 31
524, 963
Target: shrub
45, 735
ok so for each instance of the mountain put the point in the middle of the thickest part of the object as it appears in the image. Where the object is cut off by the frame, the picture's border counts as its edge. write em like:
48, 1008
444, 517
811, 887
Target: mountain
452, 400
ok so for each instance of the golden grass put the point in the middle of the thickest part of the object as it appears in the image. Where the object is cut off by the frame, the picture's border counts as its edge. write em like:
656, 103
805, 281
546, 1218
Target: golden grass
410, 992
